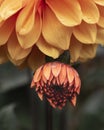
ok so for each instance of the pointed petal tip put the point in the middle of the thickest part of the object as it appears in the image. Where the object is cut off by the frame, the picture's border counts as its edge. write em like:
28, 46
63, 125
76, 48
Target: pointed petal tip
37, 74
47, 71
73, 101
78, 90
51, 103
40, 96
32, 84
56, 68
70, 74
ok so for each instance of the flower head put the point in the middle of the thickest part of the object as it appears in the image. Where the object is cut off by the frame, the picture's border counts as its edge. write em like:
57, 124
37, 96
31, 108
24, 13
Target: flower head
49, 27
57, 82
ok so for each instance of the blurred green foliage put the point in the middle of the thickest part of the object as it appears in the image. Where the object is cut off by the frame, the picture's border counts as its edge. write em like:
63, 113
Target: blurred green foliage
21, 109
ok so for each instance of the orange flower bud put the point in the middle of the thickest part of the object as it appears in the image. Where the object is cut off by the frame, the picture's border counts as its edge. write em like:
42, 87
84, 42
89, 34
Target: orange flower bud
58, 82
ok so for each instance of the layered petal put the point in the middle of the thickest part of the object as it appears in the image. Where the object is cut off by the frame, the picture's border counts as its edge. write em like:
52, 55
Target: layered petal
28, 25
74, 49
101, 20
63, 74
15, 51
6, 30
81, 52
87, 52
100, 2
54, 32
18, 63
90, 11
47, 71
55, 91
10, 7
56, 68
64, 11
100, 35
48, 49
85, 33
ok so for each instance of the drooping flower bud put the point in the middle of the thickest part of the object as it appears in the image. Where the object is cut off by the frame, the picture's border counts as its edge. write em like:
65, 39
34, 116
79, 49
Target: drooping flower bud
58, 82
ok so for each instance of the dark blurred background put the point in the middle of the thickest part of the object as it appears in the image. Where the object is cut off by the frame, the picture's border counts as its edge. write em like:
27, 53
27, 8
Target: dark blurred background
21, 109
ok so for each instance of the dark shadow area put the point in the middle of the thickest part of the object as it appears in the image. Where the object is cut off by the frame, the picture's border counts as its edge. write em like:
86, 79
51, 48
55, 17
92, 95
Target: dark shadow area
21, 109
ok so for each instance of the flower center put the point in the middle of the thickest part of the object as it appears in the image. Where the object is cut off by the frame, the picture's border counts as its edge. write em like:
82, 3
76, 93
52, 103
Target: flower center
58, 88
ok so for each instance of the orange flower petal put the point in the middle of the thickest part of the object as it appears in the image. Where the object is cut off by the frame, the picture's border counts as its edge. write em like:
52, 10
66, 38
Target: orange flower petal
62, 75
1, 1
10, 7
16, 62
52, 104
100, 35
85, 33
47, 71
28, 26
44, 78
15, 50
40, 96
77, 82
36, 58
48, 49
70, 74
88, 52
6, 30
74, 49
64, 11
37, 75
54, 32
101, 20
100, 2
90, 11
74, 100
56, 68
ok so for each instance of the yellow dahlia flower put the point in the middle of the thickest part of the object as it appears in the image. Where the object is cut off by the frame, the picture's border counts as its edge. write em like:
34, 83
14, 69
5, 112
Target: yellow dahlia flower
31, 28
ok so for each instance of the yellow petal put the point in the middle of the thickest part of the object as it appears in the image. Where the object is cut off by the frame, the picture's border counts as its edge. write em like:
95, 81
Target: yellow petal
6, 30
90, 11
81, 52
3, 56
28, 26
101, 20
68, 11
74, 49
15, 50
87, 52
100, 2
100, 35
17, 62
10, 7
85, 33
36, 58
54, 32
25, 19
48, 49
